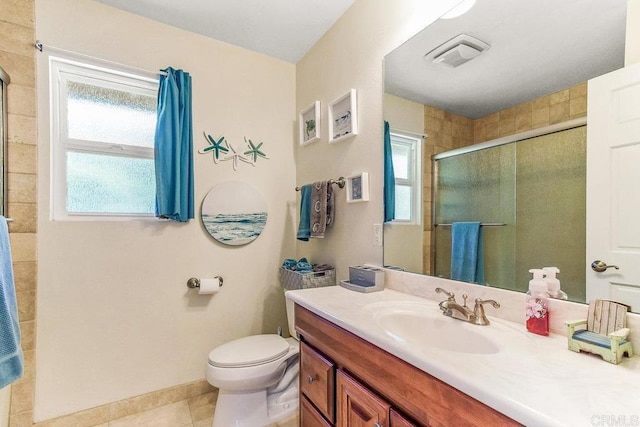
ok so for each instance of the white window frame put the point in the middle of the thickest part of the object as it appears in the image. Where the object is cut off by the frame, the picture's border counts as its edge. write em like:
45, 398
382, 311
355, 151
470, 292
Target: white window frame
415, 175
60, 69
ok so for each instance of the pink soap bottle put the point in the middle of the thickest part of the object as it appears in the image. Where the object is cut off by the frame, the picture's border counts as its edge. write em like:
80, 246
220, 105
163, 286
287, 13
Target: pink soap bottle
537, 304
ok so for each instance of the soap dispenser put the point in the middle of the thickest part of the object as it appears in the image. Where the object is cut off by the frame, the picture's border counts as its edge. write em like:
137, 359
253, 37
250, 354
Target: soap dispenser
537, 304
553, 284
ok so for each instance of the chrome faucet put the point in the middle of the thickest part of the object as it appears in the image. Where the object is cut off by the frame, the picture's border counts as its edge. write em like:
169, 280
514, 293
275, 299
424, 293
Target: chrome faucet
451, 308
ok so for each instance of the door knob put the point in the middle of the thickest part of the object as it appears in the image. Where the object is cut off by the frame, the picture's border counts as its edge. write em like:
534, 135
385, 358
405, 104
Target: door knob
600, 266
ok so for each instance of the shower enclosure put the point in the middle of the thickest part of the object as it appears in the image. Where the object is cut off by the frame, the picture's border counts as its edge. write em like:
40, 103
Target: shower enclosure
529, 196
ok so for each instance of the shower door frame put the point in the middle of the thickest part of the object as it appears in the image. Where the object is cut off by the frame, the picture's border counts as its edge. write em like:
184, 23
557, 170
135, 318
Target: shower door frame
4, 81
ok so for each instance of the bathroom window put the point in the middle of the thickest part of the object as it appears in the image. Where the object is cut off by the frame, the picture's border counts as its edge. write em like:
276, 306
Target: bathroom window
103, 125
406, 155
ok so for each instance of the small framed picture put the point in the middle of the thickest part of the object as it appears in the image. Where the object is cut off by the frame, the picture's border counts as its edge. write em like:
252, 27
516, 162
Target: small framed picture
309, 120
343, 117
358, 188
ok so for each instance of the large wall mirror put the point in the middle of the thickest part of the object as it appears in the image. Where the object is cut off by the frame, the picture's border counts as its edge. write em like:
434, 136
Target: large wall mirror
4, 81
501, 94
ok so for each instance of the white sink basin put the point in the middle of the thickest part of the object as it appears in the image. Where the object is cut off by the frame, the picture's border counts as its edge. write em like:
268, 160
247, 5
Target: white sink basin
422, 325
443, 333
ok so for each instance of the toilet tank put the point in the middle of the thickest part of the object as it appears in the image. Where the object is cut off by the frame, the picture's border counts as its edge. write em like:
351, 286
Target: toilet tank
291, 317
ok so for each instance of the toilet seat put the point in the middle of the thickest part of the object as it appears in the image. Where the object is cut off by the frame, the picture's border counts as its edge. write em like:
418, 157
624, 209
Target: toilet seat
249, 351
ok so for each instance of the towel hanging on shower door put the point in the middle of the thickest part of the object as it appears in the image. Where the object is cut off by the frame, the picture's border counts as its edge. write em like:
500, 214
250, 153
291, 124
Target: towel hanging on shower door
467, 257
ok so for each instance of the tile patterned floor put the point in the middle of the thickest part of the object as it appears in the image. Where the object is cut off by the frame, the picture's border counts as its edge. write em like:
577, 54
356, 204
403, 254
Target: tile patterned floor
187, 405
194, 412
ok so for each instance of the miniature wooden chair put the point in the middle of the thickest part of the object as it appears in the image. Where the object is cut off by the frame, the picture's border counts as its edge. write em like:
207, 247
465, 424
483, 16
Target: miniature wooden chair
605, 334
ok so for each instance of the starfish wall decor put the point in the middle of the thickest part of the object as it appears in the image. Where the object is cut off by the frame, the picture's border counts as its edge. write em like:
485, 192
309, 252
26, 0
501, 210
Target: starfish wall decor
222, 150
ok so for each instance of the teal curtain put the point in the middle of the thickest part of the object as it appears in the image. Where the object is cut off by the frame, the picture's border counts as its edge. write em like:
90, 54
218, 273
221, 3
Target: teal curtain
174, 148
389, 178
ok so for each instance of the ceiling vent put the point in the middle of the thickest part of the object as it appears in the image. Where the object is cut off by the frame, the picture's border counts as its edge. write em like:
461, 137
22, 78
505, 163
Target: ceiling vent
457, 51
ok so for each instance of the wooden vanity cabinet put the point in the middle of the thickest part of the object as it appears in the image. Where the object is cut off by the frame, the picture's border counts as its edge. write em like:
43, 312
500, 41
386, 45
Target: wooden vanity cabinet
309, 416
372, 386
317, 381
359, 406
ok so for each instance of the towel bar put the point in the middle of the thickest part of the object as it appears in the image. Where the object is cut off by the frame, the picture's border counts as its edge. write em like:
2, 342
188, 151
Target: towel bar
484, 224
340, 181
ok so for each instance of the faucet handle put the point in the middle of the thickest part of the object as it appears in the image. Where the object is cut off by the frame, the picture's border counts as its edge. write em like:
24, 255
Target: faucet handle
478, 310
450, 295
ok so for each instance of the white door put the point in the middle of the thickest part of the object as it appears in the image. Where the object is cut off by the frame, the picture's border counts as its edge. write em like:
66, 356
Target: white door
613, 186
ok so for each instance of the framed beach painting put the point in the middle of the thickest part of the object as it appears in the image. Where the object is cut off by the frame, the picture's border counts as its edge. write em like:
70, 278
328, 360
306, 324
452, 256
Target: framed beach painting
343, 117
309, 123
234, 213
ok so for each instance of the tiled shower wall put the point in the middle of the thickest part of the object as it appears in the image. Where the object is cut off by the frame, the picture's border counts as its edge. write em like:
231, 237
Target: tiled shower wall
448, 131
17, 56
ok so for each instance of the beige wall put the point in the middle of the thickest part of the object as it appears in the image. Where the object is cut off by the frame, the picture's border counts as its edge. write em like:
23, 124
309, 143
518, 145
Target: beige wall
632, 46
349, 56
116, 318
403, 243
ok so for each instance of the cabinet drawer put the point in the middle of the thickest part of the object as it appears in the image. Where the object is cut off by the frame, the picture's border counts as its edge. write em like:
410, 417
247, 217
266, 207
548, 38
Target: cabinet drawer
397, 420
309, 417
317, 380
358, 406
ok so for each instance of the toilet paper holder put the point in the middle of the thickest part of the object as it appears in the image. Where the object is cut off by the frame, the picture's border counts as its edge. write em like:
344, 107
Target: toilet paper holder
194, 282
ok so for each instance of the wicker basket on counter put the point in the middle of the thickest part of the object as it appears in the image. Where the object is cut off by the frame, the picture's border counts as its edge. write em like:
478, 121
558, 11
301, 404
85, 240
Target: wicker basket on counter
291, 280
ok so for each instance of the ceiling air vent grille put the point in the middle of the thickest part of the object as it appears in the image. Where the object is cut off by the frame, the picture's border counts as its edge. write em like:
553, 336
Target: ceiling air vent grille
457, 51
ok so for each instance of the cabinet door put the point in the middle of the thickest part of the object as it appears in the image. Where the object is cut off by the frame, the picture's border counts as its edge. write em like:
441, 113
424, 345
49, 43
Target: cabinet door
317, 380
357, 406
309, 417
397, 420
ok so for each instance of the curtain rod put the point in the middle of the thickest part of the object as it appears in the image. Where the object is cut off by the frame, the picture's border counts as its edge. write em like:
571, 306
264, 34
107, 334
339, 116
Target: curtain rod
408, 132
41, 46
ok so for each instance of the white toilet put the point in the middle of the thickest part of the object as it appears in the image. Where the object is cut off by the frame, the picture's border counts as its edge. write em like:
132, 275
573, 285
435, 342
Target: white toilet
257, 378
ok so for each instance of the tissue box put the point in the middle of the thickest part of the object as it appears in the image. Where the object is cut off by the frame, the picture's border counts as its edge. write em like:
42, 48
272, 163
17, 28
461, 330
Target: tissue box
366, 276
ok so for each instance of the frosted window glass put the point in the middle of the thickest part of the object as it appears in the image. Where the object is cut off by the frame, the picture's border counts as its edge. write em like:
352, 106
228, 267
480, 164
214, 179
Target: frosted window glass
96, 113
401, 155
403, 202
99, 183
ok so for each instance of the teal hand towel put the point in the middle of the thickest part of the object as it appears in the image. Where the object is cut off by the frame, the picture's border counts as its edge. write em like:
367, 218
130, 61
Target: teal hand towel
304, 228
11, 358
467, 258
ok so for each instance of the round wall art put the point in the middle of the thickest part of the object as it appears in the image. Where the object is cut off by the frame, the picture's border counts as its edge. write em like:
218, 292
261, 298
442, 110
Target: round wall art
234, 213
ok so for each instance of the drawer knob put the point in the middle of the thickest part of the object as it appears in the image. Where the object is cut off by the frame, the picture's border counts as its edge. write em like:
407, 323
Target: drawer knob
310, 379
378, 425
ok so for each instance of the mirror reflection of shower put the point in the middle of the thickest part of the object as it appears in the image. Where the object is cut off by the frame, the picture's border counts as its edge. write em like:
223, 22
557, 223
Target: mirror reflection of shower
529, 196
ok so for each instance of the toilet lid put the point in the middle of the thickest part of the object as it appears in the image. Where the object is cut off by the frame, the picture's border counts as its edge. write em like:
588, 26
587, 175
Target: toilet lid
249, 351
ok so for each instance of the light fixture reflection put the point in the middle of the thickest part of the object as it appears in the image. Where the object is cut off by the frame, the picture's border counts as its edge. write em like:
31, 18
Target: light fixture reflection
459, 10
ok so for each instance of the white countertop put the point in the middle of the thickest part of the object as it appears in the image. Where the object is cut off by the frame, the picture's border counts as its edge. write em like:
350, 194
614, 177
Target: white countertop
533, 379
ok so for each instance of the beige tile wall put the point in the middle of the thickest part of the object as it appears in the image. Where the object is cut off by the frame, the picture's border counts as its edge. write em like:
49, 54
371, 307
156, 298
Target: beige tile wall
448, 131
17, 57
557, 107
